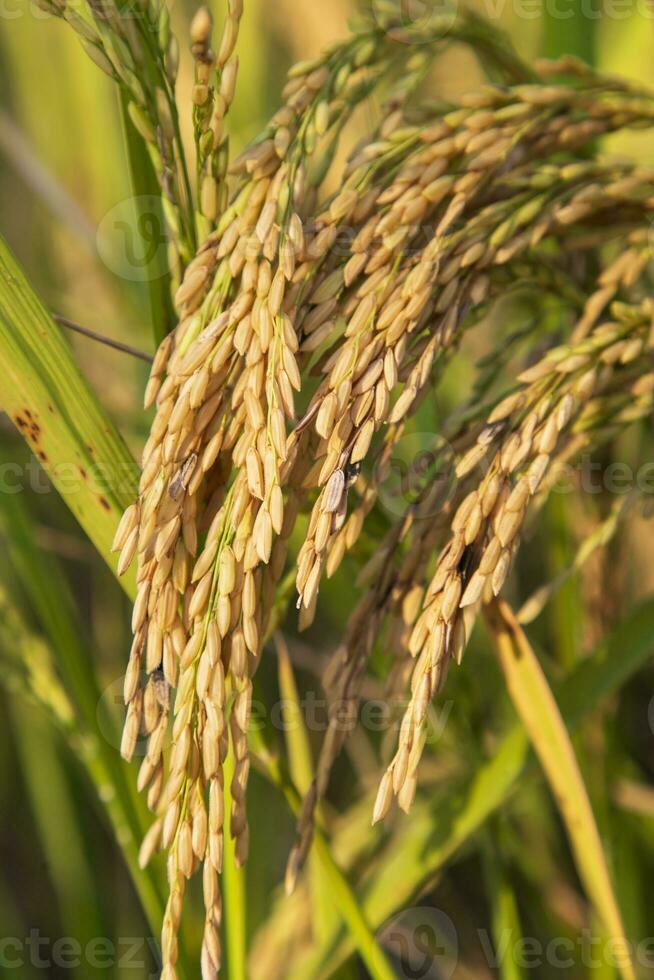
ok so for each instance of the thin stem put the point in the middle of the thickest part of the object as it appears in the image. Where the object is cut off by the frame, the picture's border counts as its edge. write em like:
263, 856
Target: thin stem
234, 893
101, 339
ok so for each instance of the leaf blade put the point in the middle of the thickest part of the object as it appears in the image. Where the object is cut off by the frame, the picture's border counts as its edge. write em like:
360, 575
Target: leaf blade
146, 190
539, 712
54, 409
302, 772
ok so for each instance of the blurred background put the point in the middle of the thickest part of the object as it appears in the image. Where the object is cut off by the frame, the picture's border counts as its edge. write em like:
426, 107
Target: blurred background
65, 210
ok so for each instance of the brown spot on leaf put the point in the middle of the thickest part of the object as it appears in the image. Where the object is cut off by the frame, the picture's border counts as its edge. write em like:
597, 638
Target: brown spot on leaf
28, 425
105, 503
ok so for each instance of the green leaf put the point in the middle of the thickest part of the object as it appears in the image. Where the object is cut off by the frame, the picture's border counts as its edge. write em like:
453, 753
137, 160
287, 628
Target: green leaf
349, 906
234, 890
295, 733
147, 202
301, 768
573, 34
48, 399
535, 704
505, 918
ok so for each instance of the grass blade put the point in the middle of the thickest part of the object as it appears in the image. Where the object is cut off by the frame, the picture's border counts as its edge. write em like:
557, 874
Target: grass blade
295, 733
505, 917
234, 892
351, 910
574, 34
301, 769
347, 901
539, 713
147, 202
